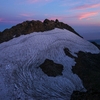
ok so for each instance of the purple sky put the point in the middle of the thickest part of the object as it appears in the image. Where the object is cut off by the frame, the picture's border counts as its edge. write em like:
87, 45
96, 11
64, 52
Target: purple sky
82, 15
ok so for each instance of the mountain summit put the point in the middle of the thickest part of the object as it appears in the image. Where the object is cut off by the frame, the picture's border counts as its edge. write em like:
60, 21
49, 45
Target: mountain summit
49, 64
28, 27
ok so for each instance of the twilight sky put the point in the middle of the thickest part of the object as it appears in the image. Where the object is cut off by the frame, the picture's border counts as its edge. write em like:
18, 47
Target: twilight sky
82, 15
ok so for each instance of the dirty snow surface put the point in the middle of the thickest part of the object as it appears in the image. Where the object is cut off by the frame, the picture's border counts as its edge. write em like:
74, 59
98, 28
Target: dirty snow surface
22, 79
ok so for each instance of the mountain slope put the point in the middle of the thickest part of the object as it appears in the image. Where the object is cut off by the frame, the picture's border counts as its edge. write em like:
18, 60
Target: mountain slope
23, 61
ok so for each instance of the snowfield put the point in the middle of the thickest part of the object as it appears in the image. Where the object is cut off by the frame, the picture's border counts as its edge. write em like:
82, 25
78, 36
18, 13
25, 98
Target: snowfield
22, 79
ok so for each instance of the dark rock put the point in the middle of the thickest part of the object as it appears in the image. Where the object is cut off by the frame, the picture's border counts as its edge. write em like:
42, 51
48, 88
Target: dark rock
28, 27
51, 69
89, 95
56, 21
49, 24
88, 69
67, 52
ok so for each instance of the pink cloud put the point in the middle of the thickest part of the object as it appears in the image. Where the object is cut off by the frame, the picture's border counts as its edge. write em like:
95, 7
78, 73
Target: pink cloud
87, 15
87, 6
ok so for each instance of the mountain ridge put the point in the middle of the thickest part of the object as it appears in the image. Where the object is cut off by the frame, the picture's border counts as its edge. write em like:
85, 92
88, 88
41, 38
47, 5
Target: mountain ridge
28, 27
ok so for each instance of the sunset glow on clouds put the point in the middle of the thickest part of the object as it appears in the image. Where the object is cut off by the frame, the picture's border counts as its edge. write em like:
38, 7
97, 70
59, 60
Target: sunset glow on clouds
53, 8
87, 15
87, 6
68, 11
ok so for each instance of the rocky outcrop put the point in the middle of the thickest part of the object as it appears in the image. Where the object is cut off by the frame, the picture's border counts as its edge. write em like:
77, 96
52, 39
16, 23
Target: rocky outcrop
51, 68
68, 53
28, 27
88, 69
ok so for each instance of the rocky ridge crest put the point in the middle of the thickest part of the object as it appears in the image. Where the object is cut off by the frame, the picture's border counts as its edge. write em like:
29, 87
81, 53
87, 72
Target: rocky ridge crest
28, 27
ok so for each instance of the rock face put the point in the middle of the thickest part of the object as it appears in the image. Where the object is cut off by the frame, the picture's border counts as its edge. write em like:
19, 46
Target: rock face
67, 52
28, 27
51, 69
88, 69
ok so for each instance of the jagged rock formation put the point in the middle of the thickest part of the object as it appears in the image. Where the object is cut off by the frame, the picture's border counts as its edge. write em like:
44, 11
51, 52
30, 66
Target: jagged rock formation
28, 27
88, 69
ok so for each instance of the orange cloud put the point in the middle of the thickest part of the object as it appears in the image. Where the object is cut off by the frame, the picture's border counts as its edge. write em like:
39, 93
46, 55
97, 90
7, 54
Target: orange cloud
87, 15
87, 6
